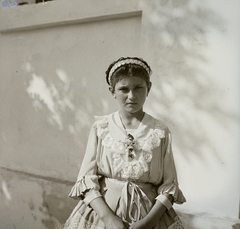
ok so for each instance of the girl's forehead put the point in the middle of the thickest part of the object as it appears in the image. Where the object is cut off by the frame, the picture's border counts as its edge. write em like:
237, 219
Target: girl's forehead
131, 80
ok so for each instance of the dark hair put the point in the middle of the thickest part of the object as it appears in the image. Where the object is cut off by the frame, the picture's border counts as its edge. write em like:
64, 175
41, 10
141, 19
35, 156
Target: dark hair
128, 70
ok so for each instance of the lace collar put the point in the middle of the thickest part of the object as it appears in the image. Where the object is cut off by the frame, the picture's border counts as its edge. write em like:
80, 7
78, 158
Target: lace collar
148, 136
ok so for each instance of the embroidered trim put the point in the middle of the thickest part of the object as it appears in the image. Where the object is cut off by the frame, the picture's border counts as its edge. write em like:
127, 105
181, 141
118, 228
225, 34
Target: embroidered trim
177, 225
77, 221
130, 167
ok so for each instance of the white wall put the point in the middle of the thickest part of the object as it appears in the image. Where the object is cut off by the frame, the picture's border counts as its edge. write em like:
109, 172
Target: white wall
52, 83
196, 51
197, 91
53, 58
50, 74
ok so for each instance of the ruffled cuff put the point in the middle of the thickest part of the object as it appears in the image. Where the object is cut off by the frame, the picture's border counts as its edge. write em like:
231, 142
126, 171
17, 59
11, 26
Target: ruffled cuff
172, 189
86, 189
76, 191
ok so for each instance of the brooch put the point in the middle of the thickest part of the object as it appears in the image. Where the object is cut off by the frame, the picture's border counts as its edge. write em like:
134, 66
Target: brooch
130, 143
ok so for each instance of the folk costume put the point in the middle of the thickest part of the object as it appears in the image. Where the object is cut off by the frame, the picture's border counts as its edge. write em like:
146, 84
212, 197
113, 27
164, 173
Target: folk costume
130, 170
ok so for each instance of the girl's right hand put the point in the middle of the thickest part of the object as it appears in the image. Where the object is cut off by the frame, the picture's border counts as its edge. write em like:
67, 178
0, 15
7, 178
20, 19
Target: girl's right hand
114, 222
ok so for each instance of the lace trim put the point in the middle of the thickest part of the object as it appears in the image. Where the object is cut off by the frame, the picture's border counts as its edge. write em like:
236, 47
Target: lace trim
177, 225
78, 222
135, 167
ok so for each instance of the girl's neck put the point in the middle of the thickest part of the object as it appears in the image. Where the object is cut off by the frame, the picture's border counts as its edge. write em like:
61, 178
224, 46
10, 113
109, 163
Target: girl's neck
131, 121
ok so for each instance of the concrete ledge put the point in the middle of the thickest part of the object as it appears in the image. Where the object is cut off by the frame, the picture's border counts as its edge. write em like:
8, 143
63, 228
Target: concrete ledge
36, 176
205, 221
63, 12
30, 200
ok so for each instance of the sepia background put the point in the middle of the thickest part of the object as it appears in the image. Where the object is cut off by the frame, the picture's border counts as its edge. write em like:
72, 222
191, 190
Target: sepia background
53, 58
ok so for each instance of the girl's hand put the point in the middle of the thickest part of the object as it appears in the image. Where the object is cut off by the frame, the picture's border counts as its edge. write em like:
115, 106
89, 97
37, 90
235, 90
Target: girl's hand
141, 224
114, 222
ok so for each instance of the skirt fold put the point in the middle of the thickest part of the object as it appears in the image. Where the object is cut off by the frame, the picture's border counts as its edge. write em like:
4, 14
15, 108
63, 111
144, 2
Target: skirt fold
83, 217
126, 200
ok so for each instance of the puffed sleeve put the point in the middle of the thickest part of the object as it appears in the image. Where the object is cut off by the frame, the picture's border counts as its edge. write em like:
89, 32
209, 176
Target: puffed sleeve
87, 185
169, 184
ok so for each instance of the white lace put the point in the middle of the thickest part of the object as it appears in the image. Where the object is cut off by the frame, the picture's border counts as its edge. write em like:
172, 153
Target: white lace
135, 167
79, 222
177, 225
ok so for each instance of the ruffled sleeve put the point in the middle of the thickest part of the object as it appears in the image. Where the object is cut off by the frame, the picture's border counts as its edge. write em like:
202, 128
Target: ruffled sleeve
87, 185
169, 184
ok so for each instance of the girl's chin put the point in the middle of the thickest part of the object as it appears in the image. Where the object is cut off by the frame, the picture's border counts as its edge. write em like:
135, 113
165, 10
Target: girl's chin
133, 111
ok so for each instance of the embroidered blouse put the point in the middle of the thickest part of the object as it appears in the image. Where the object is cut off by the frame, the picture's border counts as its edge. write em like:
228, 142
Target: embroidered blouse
107, 155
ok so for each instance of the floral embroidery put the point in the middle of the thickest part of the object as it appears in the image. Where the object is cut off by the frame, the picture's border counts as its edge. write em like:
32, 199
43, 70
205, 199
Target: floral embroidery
139, 153
102, 127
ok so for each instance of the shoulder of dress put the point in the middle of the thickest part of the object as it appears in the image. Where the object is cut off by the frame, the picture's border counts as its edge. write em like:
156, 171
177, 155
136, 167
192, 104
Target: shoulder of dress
101, 125
160, 129
160, 125
101, 119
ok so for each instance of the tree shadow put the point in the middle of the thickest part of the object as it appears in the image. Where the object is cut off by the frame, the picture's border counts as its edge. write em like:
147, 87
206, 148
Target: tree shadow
65, 104
184, 93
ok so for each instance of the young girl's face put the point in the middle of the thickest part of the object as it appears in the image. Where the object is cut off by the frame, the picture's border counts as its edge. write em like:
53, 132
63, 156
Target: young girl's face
131, 93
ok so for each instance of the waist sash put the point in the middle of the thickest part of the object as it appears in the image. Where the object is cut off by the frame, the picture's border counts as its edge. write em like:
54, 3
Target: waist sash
133, 203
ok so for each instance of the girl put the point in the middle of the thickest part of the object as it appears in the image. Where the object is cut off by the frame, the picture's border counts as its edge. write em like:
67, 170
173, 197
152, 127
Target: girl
128, 177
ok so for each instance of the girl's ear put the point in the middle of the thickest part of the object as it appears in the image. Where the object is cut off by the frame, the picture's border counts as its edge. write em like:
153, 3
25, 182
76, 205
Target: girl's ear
149, 87
111, 89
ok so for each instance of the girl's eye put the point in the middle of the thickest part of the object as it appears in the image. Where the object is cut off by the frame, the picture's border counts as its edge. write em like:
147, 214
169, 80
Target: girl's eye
124, 89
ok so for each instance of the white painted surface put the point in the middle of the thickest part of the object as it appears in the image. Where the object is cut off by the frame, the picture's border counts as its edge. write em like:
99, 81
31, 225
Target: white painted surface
52, 83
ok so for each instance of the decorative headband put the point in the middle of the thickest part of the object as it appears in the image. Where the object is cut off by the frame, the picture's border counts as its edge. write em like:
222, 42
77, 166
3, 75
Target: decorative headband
128, 61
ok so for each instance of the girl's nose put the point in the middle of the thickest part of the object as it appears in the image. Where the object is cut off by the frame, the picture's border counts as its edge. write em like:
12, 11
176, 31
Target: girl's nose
131, 95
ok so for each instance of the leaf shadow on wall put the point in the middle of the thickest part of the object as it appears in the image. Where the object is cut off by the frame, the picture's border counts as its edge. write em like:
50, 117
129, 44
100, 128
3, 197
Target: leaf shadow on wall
65, 103
183, 94
67, 107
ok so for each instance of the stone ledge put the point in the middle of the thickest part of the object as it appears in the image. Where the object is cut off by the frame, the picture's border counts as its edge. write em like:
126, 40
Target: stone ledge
205, 221
31, 200
36, 176
63, 13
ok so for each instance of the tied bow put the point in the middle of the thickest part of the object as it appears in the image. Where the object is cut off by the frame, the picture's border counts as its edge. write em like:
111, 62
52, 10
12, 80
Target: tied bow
135, 203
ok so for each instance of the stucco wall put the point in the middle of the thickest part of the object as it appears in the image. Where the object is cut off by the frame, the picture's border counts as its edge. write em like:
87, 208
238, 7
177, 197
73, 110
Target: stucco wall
196, 91
53, 58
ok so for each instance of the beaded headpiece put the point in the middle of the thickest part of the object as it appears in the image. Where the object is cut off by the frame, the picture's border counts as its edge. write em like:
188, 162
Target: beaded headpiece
128, 60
